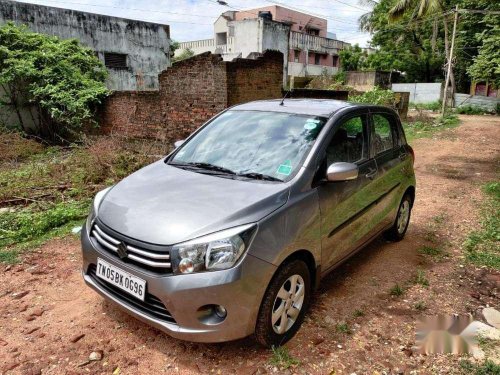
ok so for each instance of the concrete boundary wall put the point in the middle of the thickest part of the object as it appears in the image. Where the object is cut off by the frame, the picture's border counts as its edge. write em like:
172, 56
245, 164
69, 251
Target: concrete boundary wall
420, 93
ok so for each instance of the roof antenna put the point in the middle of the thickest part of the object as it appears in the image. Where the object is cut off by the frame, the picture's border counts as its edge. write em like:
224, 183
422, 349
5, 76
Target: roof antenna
286, 94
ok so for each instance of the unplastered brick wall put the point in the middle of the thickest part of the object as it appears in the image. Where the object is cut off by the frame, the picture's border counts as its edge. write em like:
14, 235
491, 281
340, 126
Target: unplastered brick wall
192, 91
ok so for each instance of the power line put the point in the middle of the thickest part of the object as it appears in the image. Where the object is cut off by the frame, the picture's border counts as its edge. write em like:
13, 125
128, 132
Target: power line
134, 9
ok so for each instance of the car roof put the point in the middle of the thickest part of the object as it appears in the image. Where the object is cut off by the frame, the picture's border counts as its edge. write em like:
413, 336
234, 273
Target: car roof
314, 107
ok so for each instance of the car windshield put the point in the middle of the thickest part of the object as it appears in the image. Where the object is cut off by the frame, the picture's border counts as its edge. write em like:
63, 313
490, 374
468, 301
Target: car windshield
252, 144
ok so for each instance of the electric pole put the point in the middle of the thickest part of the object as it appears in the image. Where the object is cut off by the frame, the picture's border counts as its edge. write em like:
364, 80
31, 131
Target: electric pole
450, 58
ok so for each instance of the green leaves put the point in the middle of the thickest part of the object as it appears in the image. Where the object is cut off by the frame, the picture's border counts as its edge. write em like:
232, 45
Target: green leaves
64, 79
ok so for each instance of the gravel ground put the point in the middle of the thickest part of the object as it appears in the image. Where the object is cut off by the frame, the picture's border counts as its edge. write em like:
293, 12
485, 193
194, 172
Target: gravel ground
50, 322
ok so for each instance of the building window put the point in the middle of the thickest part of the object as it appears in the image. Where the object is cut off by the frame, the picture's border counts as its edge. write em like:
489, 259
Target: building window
335, 61
296, 55
115, 60
221, 38
230, 30
312, 31
317, 59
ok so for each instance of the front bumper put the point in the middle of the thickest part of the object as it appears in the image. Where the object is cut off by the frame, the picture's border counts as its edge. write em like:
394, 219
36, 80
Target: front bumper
239, 289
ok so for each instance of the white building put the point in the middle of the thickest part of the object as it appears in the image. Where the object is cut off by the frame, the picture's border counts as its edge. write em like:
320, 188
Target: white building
301, 37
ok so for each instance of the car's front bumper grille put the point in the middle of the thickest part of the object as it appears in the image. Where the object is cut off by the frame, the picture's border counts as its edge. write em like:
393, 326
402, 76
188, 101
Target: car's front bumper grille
151, 305
154, 260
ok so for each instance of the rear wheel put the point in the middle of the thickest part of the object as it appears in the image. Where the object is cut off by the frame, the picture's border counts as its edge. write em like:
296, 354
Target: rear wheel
398, 229
284, 304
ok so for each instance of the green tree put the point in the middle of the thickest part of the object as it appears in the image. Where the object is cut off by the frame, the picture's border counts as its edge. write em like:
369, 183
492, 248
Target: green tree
486, 66
185, 54
352, 58
63, 80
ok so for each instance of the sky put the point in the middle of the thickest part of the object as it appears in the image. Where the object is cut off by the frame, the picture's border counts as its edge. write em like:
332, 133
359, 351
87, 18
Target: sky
193, 19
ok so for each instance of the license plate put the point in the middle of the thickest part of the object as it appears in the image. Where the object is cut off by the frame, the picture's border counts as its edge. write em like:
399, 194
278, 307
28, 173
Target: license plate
122, 279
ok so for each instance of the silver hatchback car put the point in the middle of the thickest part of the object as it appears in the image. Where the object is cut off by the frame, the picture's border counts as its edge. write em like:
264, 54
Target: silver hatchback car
229, 234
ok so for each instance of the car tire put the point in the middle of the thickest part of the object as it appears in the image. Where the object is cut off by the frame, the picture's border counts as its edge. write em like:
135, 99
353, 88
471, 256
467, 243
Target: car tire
400, 226
280, 300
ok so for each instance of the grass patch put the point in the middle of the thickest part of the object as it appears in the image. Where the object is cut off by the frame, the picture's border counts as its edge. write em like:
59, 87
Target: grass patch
486, 368
482, 246
420, 306
397, 290
358, 313
428, 127
432, 251
433, 106
421, 279
282, 359
48, 190
472, 110
343, 328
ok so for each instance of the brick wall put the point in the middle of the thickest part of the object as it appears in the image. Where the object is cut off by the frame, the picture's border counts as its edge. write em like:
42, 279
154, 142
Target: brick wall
191, 92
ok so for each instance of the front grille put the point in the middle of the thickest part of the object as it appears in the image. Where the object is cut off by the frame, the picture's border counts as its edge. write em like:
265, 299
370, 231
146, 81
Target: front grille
153, 260
151, 305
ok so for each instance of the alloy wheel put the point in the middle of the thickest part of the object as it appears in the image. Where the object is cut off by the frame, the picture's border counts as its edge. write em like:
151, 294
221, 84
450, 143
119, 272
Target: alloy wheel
288, 304
403, 216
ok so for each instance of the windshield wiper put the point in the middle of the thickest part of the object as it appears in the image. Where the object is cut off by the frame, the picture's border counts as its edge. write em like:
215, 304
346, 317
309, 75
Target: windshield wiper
258, 176
204, 166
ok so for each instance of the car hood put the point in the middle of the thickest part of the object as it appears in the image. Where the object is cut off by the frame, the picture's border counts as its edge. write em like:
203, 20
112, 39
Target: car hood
165, 205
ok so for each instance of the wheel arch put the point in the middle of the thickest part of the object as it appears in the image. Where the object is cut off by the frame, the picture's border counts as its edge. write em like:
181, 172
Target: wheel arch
308, 258
411, 191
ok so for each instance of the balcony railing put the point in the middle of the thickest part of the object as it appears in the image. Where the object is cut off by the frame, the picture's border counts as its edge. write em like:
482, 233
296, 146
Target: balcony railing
314, 43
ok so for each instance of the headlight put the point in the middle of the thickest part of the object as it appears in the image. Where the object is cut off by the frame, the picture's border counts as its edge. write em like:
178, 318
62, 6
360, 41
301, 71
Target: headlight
95, 207
216, 251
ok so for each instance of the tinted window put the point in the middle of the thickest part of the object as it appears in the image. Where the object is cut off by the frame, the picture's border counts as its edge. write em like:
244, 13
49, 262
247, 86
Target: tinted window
383, 138
269, 143
349, 142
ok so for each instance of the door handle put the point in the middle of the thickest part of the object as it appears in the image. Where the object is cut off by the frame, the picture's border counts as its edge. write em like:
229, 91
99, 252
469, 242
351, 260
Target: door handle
403, 156
371, 174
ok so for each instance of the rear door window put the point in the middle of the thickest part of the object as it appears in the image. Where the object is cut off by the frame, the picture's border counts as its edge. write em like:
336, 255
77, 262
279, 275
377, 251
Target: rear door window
384, 131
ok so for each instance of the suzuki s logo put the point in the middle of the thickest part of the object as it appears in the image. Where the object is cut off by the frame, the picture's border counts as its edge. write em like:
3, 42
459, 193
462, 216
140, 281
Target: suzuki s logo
122, 250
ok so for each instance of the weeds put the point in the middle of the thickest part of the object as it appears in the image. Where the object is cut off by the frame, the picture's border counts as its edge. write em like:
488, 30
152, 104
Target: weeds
486, 368
420, 306
282, 359
396, 290
431, 251
343, 328
433, 106
421, 279
426, 127
46, 189
472, 110
483, 246
358, 313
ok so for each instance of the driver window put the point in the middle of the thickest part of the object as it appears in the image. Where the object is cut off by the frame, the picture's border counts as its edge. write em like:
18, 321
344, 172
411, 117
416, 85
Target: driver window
349, 142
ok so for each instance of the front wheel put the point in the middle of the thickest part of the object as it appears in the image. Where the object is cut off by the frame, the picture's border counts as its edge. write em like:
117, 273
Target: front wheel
398, 229
284, 304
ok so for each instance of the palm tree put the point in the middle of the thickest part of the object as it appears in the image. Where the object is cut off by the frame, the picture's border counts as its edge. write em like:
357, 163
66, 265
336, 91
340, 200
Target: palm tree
420, 9
365, 19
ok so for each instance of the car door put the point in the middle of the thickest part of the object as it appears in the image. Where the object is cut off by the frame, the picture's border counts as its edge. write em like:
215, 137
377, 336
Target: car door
389, 155
344, 205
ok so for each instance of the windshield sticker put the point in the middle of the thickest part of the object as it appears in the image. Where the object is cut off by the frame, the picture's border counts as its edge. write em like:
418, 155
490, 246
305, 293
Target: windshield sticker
285, 168
311, 124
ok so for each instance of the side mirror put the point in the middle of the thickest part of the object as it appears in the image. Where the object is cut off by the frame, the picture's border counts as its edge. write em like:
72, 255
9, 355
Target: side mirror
177, 144
342, 172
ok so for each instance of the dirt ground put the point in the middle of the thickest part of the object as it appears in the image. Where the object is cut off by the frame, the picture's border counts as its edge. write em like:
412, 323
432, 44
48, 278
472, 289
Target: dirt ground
50, 321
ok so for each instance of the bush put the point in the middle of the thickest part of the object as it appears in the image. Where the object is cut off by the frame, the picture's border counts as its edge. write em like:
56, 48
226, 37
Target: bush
376, 96
471, 110
61, 79
433, 106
